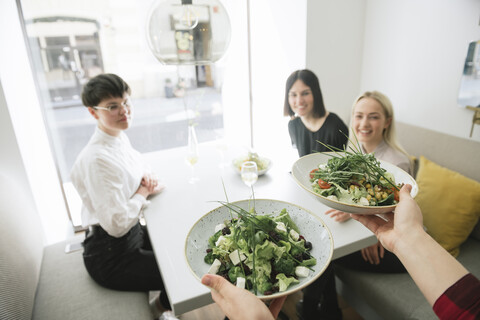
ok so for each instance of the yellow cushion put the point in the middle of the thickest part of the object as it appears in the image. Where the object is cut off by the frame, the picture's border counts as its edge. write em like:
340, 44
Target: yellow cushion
450, 204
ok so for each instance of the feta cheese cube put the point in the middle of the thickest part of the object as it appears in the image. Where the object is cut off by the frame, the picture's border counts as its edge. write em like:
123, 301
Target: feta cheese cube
219, 227
220, 241
281, 227
363, 201
302, 272
214, 267
332, 197
294, 234
236, 257
241, 282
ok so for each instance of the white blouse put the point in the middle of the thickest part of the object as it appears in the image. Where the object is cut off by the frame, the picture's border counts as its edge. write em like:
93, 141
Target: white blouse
106, 174
386, 153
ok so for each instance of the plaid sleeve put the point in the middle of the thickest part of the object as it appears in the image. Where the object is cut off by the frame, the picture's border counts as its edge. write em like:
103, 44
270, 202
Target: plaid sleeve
460, 301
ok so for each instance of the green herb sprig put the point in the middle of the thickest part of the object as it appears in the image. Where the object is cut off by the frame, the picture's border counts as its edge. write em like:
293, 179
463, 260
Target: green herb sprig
344, 165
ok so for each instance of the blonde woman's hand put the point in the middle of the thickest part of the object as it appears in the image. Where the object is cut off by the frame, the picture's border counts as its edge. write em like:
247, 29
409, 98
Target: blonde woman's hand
374, 253
338, 215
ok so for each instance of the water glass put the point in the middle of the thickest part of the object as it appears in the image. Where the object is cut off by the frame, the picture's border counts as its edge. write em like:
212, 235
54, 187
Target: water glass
249, 173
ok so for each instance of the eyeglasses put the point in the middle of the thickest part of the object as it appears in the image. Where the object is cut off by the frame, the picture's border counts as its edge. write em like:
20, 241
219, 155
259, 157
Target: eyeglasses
115, 107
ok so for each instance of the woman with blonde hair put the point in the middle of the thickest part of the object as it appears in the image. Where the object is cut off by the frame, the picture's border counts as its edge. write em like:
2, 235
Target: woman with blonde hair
373, 128
373, 124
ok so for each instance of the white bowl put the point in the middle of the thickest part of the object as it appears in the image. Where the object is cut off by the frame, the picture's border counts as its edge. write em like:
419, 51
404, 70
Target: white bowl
237, 163
301, 173
311, 227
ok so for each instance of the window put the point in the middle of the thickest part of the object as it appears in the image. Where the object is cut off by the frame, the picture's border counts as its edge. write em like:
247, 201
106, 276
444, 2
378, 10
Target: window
95, 36
86, 40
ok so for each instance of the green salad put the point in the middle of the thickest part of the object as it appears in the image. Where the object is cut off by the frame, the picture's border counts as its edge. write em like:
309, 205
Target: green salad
262, 253
262, 163
355, 178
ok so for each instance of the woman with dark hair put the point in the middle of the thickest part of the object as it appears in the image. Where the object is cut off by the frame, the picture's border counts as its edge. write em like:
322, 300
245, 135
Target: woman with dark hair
310, 121
114, 183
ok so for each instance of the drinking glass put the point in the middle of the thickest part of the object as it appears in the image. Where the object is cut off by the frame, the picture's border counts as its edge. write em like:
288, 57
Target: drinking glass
192, 152
249, 173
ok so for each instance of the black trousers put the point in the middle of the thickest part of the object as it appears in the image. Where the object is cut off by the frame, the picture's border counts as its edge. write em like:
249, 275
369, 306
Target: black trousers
388, 264
126, 263
320, 298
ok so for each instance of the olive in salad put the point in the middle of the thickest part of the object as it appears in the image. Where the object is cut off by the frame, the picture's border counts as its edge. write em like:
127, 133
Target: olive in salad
262, 253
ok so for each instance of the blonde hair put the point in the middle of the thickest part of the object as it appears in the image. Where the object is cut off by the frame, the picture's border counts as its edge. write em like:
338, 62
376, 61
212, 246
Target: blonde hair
389, 134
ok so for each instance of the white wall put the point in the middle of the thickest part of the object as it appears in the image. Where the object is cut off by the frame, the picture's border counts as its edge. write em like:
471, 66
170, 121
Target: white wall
412, 50
11, 162
335, 33
23, 132
415, 52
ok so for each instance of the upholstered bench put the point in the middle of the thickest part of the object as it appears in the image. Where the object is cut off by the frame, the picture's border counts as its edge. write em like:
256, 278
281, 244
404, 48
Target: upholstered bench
44, 282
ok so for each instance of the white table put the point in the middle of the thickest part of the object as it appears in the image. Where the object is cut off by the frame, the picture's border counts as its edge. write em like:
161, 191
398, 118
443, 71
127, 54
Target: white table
172, 213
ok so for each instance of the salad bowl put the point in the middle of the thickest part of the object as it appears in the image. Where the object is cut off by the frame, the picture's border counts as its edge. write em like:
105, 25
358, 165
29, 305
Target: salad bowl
263, 164
301, 170
310, 226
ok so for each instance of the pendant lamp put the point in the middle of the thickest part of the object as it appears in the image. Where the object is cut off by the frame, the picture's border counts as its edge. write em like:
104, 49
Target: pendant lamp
188, 32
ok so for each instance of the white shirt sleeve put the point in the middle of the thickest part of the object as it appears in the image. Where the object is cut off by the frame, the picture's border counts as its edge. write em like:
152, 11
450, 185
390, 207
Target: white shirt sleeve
111, 190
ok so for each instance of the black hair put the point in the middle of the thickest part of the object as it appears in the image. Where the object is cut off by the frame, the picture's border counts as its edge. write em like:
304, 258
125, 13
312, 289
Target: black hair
310, 80
103, 86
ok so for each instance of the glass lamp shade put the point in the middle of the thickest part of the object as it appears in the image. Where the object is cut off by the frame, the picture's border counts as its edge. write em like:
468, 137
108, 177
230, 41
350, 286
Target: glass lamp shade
180, 32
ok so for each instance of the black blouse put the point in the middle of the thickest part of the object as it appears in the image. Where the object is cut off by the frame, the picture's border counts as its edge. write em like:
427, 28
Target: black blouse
329, 133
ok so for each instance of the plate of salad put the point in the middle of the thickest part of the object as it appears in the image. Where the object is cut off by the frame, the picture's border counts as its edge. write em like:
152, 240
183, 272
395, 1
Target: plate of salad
270, 247
263, 164
351, 181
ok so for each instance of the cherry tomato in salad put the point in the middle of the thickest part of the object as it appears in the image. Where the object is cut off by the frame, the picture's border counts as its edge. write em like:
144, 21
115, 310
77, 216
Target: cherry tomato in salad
396, 194
323, 185
312, 172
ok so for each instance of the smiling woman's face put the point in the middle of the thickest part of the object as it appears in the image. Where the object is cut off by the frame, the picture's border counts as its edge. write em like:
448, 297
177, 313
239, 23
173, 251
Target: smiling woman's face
369, 121
300, 98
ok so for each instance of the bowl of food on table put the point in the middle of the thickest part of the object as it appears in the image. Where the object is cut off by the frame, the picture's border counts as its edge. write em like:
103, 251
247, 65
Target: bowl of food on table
263, 164
270, 247
352, 181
